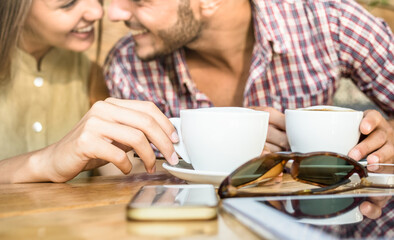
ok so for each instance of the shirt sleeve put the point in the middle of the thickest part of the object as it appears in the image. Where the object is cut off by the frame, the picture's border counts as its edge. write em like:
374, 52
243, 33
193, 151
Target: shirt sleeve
366, 53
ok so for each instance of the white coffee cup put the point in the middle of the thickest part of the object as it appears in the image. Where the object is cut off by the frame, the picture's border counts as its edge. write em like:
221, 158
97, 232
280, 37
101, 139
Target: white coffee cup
219, 139
323, 128
352, 216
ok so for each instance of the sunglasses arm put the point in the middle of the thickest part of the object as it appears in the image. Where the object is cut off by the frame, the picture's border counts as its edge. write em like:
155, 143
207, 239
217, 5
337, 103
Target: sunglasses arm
322, 189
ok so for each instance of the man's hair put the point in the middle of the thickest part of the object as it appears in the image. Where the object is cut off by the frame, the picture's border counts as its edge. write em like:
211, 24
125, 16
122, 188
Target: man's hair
12, 17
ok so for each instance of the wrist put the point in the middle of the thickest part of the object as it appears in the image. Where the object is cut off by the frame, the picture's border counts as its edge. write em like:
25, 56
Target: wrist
39, 164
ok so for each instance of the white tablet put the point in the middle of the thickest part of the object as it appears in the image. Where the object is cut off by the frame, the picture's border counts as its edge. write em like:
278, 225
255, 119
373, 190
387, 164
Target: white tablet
314, 217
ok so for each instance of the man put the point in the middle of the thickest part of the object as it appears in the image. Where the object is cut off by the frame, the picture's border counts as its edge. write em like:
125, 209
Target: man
269, 55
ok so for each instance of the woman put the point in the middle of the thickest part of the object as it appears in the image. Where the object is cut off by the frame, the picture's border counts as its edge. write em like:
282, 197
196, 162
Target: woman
47, 85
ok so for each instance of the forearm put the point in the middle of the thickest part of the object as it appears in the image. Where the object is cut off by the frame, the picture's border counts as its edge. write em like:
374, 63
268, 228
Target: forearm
29, 167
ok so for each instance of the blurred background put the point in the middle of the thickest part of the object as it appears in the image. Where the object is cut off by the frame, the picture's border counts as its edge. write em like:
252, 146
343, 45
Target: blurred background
347, 95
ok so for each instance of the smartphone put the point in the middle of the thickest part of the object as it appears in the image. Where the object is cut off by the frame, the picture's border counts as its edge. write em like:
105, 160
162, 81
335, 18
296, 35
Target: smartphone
174, 202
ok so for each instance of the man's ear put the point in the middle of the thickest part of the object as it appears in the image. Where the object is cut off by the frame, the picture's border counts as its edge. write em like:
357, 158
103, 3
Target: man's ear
209, 7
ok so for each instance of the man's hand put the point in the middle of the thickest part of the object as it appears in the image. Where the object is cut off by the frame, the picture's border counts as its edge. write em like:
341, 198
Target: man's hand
372, 208
378, 145
276, 136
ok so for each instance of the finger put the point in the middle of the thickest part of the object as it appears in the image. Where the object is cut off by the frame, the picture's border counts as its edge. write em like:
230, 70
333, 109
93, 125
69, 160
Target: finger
102, 149
277, 137
266, 150
370, 210
151, 109
141, 121
125, 148
131, 137
379, 201
94, 163
155, 134
379, 168
371, 121
372, 142
276, 118
382, 155
272, 147
375, 168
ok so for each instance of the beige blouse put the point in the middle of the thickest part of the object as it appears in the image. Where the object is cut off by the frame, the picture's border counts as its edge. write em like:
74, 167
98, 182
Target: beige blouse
38, 108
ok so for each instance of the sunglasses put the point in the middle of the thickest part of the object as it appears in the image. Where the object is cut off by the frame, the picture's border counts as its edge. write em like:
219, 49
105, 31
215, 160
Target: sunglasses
327, 170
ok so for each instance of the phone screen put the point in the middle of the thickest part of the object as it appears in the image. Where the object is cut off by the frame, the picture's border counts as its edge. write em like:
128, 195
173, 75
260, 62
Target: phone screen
341, 216
173, 202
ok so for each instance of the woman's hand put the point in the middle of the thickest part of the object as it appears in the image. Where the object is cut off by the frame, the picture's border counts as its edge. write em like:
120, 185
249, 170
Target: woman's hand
110, 129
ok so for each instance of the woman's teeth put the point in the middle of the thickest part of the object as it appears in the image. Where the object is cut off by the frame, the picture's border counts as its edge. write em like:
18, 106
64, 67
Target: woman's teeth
83, 30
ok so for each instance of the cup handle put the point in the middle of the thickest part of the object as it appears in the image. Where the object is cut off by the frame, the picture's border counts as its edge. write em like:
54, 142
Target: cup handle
180, 146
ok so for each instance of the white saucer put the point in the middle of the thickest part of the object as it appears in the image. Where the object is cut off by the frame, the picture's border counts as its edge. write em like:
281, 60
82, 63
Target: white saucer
186, 172
384, 176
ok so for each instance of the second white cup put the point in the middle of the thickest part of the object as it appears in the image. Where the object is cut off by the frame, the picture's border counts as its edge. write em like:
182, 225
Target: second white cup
323, 128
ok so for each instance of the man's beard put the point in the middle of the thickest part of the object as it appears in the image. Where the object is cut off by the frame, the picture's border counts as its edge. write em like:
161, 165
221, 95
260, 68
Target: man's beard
186, 30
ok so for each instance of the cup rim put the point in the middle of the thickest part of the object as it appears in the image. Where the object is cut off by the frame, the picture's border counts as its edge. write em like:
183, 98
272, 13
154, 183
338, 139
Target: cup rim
336, 109
222, 110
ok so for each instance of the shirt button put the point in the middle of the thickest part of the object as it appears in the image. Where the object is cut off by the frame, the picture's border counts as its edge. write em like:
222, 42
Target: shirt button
37, 127
38, 81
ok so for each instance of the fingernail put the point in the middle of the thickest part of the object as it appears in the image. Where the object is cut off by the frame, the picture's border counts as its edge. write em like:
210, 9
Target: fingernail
355, 154
153, 169
368, 127
372, 167
174, 137
131, 167
174, 159
373, 159
265, 152
367, 208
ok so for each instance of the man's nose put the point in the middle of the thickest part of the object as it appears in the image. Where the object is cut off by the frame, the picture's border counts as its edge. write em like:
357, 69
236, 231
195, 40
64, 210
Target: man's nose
120, 10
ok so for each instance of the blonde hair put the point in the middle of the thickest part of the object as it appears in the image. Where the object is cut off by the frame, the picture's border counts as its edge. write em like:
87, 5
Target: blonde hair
12, 17
99, 35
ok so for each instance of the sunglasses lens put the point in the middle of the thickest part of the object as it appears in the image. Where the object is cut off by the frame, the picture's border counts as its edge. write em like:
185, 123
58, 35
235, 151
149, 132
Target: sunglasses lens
263, 168
319, 208
326, 170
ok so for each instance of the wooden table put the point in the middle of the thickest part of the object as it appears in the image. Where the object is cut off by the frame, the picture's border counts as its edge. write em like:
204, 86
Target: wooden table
94, 208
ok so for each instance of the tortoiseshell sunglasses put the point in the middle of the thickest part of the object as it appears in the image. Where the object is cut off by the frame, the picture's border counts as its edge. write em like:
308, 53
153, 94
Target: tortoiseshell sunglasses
325, 169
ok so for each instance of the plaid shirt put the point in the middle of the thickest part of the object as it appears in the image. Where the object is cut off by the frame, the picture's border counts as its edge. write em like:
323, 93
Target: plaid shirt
380, 228
302, 50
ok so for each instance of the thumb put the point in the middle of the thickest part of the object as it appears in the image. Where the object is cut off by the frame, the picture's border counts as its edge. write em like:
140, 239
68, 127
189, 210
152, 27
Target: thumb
265, 150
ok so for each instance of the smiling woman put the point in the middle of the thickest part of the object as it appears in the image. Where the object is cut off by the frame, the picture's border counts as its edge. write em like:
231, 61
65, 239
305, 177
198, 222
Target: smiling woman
48, 132
47, 83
